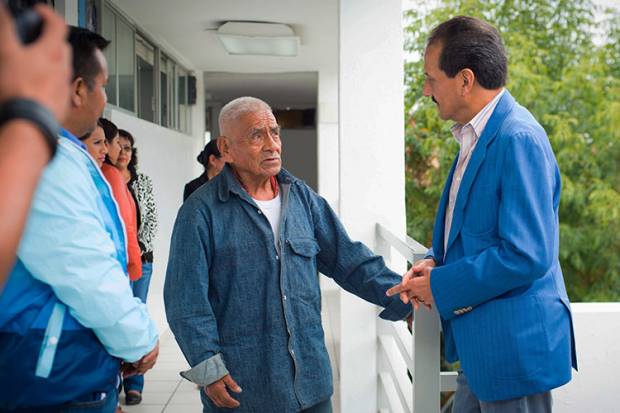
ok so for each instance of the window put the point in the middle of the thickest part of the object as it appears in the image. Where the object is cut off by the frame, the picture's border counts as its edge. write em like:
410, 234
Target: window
87, 14
108, 30
163, 88
126, 66
145, 60
142, 79
183, 108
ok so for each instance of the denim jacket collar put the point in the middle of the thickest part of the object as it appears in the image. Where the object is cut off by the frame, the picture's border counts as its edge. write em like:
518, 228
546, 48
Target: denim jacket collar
228, 182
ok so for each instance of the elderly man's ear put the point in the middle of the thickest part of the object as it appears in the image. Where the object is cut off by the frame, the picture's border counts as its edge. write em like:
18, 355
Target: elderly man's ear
223, 145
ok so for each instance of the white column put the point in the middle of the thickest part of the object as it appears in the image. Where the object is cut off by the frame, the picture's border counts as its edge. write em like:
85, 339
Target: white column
371, 175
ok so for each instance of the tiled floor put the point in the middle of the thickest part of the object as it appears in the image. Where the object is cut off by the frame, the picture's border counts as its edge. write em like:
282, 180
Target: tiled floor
165, 391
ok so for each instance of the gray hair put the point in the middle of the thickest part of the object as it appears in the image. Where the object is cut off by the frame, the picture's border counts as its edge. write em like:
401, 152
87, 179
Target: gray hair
236, 108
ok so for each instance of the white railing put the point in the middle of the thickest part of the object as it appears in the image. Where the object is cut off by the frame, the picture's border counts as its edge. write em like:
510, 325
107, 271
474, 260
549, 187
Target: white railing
401, 352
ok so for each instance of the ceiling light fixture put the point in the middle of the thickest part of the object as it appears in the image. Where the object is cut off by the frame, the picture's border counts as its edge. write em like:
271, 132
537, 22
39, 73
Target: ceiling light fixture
265, 39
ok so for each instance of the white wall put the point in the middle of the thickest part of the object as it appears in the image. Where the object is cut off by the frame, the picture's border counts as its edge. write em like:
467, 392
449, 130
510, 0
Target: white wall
595, 387
169, 158
372, 187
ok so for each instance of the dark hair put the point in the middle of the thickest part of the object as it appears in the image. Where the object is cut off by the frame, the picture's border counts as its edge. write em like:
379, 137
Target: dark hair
133, 163
471, 43
83, 44
110, 131
209, 149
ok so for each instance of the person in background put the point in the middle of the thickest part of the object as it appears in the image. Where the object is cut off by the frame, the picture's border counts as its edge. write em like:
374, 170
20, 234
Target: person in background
213, 163
123, 197
67, 314
96, 144
141, 188
34, 97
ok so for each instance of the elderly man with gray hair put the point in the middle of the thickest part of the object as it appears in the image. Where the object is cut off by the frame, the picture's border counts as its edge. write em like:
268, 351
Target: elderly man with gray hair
242, 292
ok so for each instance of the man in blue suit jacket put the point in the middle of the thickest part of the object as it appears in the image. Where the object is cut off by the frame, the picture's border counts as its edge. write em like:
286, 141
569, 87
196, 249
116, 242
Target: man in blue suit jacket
493, 271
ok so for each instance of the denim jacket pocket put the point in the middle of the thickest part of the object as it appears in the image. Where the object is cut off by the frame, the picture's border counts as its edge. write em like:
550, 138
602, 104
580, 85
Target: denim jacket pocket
302, 271
307, 247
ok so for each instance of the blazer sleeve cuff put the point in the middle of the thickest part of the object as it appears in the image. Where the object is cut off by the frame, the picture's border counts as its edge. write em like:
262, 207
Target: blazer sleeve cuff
206, 372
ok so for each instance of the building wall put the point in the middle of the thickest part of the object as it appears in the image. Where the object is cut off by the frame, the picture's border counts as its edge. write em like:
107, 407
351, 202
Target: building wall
594, 387
169, 158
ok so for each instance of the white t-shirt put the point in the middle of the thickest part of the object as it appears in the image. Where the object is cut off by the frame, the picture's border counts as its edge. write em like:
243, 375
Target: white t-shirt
271, 209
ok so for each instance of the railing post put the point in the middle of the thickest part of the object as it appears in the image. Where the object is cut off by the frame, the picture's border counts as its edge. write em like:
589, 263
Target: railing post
426, 362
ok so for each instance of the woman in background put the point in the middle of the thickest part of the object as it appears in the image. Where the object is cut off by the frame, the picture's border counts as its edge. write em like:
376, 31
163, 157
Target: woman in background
213, 163
125, 201
96, 144
141, 188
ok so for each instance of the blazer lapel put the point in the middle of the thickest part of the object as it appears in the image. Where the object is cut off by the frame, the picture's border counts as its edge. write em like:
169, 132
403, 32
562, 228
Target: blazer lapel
504, 106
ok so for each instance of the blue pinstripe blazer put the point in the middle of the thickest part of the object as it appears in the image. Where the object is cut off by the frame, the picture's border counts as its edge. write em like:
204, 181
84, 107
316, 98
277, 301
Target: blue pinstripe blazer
498, 286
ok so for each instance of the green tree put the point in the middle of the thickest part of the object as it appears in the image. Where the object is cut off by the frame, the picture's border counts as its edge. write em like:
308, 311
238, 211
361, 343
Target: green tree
570, 81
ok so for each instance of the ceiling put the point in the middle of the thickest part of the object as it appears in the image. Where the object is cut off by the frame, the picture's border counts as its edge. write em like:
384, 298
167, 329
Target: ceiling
188, 27
281, 90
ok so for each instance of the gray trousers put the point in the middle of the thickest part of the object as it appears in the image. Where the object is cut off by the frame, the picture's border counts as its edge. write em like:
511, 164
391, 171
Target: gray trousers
466, 402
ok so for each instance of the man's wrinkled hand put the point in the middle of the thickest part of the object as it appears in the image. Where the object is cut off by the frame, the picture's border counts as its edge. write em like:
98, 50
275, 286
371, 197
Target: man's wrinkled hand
219, 395
415, 286
148, 361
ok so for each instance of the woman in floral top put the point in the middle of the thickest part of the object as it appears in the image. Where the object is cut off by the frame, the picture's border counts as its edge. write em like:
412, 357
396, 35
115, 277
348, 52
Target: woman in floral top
141, 188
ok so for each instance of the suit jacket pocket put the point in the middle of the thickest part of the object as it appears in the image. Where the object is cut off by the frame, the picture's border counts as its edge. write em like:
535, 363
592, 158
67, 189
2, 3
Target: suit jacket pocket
503, 339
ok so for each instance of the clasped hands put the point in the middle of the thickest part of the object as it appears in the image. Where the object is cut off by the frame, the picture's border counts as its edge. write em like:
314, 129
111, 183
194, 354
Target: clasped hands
141, 366
415, 288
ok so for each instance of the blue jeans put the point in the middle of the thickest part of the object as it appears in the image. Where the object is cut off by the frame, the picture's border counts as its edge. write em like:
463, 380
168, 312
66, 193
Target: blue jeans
466, 402
140, 289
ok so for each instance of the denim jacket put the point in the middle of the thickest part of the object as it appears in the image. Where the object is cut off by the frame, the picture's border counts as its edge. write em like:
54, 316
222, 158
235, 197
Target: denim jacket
240, 303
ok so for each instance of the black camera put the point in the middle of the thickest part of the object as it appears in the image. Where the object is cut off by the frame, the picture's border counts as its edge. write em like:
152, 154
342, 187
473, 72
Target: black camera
28, 23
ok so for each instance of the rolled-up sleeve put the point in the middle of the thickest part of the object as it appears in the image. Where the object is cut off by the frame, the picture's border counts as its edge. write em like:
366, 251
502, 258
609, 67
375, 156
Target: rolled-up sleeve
186, 296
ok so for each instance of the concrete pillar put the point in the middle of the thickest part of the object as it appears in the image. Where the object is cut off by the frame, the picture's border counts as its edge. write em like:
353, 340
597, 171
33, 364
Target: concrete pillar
371, 173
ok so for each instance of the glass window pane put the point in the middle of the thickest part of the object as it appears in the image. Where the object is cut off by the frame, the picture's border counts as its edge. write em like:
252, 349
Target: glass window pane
126, 65
163, 87
173, 94
108, 30
87, 15
145, 59
183, 109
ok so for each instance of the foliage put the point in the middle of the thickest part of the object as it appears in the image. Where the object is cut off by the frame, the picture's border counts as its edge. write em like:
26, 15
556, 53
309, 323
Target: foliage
570, 80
